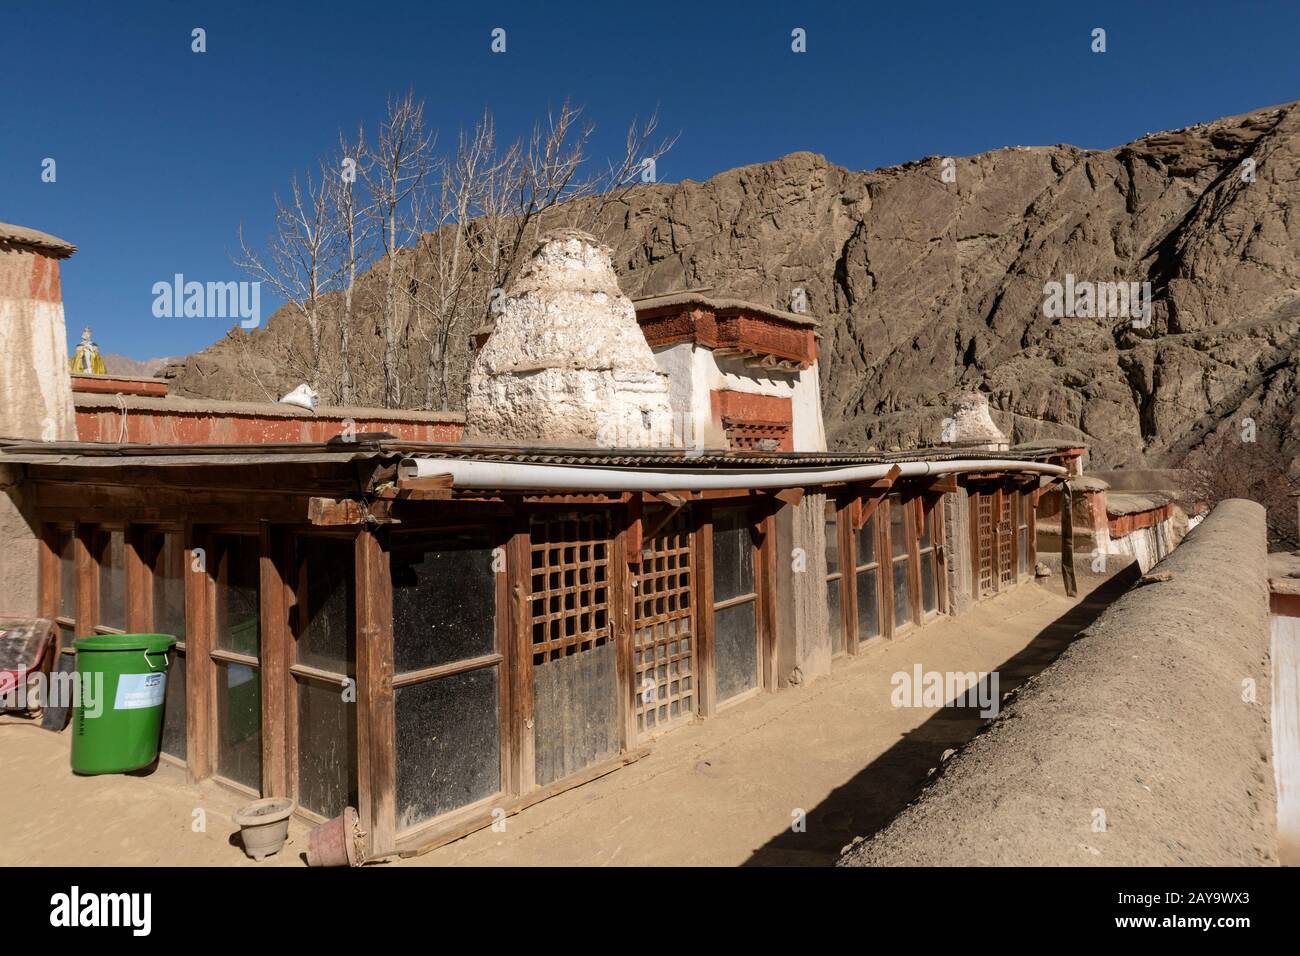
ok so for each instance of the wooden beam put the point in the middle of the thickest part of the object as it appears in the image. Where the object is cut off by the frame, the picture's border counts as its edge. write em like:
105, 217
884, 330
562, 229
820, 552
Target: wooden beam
332, 512
274, 627
635, 525
376, 731
519, 660
200, 682
410, 486
791, 496
943, 485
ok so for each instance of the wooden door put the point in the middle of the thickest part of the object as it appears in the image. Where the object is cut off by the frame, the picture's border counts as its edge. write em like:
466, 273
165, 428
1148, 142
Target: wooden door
575, 662
663, 638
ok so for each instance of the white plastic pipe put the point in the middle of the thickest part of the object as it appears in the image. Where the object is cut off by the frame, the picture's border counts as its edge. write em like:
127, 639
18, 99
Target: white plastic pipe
518, 475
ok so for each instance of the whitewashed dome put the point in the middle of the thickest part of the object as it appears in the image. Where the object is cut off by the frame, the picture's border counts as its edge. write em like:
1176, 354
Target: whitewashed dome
566, 362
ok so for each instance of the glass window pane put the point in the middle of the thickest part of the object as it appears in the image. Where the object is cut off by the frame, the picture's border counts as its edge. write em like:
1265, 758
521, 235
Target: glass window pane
835, 619
112, 581
238, 577
866, 544
902, 599
735, 649
733, 554
169, 587
1022, 548
929, 591
239, 724
832, 538
327, 604
868, 604
444, 601
173, 727
448, 744
67, 574
898, 527
327, 749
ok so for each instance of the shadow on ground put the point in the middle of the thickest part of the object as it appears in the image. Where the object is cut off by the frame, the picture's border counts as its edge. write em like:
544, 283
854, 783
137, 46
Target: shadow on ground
868, 801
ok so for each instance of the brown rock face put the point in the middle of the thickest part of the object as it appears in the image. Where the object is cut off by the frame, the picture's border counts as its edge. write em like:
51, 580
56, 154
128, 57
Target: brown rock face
929, 285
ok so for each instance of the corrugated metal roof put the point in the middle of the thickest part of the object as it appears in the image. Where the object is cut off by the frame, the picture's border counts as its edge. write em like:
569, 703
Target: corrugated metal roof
382, 446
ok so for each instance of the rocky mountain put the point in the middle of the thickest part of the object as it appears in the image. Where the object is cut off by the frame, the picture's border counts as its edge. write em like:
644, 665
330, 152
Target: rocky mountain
932, 277
137, 368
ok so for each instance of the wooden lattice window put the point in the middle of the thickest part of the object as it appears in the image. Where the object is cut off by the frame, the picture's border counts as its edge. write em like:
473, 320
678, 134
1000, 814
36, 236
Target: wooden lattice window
664, 640
1006, 537
984, 540
756, 436
570, 594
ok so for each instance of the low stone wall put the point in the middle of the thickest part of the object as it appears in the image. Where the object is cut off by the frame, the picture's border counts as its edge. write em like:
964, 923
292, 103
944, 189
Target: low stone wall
186, 421
1146, 743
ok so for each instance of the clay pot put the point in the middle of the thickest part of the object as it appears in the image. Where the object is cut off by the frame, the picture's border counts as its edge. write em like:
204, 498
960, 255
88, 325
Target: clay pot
264, 825
336, 842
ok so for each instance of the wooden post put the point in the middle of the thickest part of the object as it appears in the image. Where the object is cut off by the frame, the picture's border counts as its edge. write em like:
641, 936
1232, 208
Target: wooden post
1067, 540
766, 564
376, 735
846, 526
519, 657
200, 682
87, 565
621, 577
139, 579
274, 626
706, 690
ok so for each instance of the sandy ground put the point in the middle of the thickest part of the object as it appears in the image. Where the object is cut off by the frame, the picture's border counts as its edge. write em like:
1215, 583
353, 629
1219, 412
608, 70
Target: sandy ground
722, 792
1146, 744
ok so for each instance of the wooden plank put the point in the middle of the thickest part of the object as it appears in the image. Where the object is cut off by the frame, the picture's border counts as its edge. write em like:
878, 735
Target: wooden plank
334, 512
407, 487
376, 757
459, 825
200, 680
274, 626
867, 506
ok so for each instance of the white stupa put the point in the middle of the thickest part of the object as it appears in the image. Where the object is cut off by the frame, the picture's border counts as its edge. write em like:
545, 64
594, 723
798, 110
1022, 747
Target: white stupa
566, 362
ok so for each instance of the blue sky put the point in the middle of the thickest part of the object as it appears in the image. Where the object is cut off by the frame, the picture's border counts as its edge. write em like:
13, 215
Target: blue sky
161, 152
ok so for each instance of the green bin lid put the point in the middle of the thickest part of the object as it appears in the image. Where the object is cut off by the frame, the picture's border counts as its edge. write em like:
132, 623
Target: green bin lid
150, 643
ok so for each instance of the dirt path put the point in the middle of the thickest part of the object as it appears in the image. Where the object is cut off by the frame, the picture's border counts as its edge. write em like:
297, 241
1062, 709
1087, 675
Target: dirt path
722, 792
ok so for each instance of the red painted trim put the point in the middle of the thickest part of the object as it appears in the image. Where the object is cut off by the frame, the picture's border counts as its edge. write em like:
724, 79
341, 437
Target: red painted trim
110, 385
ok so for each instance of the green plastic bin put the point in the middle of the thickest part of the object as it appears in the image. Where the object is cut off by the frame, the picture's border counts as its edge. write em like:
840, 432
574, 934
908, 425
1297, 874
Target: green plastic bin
121, 727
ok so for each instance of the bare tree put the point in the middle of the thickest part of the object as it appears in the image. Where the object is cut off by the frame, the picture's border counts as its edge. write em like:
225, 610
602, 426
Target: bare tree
351, 249
394, 172
1225, 466
296, 262
488, 203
